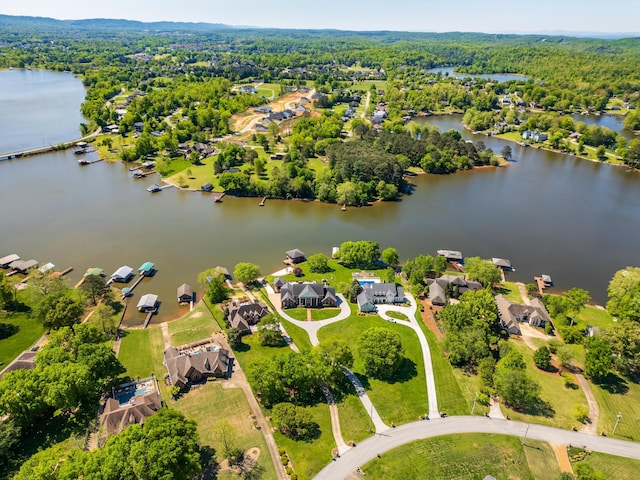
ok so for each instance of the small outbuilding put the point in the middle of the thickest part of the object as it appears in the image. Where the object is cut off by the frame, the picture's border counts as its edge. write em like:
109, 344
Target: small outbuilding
185, 293
23, 266
206, 187
295, 256
147, 302
502, 263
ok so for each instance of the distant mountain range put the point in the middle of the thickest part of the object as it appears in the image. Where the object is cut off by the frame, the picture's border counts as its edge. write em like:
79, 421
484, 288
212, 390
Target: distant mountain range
134, 25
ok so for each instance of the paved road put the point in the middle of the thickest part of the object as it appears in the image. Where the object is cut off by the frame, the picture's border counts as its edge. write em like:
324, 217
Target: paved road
368, 449
410, 313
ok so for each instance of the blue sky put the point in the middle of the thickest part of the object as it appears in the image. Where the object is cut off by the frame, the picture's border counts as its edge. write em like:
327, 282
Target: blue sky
412, 15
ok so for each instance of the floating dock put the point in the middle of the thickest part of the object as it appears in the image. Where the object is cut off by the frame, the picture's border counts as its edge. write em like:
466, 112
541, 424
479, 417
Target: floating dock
84, 161
263, 202
218, 198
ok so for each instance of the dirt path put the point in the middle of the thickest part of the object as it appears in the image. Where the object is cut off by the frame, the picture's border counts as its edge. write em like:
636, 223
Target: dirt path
563, 458
239, 380
165, 334
309, 316
428, 317
591, 426
335, 421
523, 293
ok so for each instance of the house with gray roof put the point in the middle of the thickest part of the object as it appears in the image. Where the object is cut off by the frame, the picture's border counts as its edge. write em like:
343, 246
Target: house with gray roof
187, 367
511, 314
377, 293
307, 294
438, 287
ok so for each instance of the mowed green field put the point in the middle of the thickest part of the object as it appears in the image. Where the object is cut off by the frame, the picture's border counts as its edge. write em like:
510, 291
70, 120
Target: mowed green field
461, 457
402, 399
19, 333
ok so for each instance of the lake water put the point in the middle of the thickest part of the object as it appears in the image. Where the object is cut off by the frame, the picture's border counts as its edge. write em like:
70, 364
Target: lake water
549, 213
500, 77
612, 122
38, 108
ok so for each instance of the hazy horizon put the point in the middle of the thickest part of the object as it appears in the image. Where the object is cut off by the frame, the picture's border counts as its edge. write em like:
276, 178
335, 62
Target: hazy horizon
579, 17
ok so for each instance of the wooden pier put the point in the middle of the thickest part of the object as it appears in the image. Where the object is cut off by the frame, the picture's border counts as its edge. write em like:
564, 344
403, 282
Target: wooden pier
148, 318
540, 283
263, 202
135, 284
140, 174
218, 198
84, 161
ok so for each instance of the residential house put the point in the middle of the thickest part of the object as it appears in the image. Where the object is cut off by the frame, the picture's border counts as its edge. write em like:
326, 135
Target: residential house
247, 89
186, 367
138, 127
128, 408
438, 287
511, 314
379, 293
260, 128
245, 315
277, 284
307, 294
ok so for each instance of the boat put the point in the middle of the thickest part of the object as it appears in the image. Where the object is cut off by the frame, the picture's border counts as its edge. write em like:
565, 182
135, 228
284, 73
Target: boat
153, 188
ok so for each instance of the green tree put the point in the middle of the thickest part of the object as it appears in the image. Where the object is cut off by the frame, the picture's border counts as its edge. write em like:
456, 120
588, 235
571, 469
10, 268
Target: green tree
624, 338
103, 318
228, 438
542, 358
318, 263
486, 369
581, 413
259, 166
597, 358
565, 356
246, 272
347, 194
234, 337
269, 332
353, 291
390, 256
484, 271
624, 294
506, 152
294, 421
359, 254
381, 352
60, 310
10, 433
601, 153
94, 287
217, 290
577, 298
512, 383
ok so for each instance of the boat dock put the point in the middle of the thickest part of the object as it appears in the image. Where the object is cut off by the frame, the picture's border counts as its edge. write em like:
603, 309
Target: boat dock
543, 282
148, 318
218, 198
84, 161
140, 174
261, 204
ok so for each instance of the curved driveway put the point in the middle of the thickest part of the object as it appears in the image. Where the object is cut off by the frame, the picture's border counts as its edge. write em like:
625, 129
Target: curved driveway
410, 313
368, 449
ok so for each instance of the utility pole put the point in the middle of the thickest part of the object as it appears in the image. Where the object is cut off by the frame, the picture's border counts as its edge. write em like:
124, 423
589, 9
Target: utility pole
473, 409
619, 416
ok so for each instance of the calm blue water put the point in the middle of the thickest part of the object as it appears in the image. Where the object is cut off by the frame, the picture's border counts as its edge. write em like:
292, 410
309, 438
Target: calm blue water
38, 108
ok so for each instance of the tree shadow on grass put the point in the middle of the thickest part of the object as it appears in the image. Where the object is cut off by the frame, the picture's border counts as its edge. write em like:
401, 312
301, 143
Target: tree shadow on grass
613, 384
539, 408
405, 372
8, 330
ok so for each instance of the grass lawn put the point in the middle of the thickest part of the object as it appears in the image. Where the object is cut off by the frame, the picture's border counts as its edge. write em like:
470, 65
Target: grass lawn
619, 395
595, 317
558, 402
541, 459
511, 292
620, 468
401, 400
452, 399
339, 274
210, 405
297, 313
196, 325
253, 352
467, 456
298, 335
135, 353
200, 174
22, 331
397, 315
308, 458
354, 420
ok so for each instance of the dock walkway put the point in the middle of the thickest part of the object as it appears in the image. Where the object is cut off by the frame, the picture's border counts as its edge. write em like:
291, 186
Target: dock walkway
48, 148
148, 318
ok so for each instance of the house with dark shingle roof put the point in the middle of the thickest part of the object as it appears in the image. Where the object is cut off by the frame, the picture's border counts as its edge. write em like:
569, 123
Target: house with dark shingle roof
243, 316
127, 408
377, 293
189, 367
307, 294
437, 287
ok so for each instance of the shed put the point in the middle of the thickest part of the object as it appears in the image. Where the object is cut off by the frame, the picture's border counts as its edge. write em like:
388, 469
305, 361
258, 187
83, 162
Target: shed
123, 274
147, 269
185, 293
147, 302
295, 255
206, 187
5, 261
